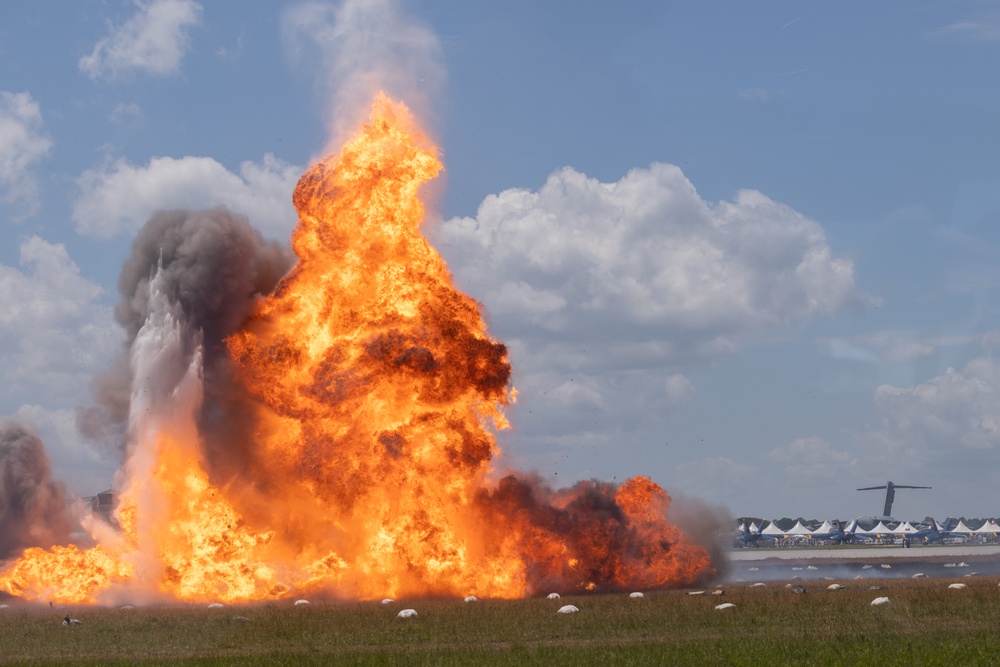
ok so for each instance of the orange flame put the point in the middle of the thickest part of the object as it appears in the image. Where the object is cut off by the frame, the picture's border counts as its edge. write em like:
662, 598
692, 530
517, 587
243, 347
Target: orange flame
376, 392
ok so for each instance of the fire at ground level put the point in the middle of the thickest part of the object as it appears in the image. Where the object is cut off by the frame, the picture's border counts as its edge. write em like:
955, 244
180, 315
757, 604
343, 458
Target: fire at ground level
846, 562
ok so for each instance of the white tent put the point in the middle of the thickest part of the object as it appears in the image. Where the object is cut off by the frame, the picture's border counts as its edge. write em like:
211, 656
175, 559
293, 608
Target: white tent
798, 529
988, 528
879, 529
858, 530
772, 529
904, 528
961, 529
826, 527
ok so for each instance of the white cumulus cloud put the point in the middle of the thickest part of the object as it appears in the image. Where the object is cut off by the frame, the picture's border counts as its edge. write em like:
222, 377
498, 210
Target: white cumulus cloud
23, 143
120, 197
953, 413
622, 286
647, 257
54, 330
644, 270
153, 40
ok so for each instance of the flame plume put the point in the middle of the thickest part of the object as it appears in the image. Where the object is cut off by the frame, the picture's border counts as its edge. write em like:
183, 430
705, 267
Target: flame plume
375, 392
378, 377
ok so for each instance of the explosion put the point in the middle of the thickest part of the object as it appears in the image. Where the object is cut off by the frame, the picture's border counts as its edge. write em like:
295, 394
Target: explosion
339, 437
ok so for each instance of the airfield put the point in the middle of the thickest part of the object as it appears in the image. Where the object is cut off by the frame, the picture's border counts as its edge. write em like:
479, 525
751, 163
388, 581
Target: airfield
926, 623
867, 553
863, 562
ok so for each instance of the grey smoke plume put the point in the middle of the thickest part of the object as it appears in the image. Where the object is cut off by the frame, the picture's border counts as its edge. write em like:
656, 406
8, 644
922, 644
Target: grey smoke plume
706, 524
32, 507
214, 266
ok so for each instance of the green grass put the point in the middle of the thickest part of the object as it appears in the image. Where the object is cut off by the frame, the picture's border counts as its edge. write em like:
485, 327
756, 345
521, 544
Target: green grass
925, 624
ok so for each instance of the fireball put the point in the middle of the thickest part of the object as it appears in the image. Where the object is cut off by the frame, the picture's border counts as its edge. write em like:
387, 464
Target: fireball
374, 393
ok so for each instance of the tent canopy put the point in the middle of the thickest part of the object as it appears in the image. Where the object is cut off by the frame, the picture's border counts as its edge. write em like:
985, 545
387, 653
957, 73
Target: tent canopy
798, 529
772, 529
989, 527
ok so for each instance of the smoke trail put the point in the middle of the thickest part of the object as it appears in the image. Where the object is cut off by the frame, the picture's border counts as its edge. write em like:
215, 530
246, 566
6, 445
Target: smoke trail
32, 507
365, 46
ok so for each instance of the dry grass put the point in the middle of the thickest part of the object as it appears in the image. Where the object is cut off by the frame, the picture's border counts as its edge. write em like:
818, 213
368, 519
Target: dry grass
926, 624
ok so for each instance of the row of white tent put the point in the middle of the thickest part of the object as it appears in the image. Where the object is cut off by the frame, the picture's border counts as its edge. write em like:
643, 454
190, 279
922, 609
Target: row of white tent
988, 528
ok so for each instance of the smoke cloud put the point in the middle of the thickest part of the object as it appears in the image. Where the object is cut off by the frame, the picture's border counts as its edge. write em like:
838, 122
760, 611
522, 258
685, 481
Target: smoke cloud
707, 525
213, 266
33, 509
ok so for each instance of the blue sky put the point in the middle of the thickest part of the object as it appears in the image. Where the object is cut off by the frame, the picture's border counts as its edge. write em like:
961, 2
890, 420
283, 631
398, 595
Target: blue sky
749, 250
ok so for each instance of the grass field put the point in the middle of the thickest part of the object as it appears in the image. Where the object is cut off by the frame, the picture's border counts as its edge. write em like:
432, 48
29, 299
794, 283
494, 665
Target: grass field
925, 624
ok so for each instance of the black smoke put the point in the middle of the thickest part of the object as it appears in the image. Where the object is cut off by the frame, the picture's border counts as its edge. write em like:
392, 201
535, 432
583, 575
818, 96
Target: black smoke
33, 509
